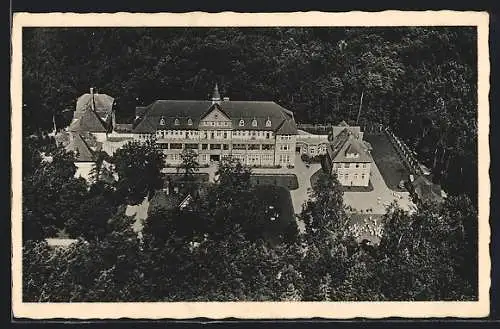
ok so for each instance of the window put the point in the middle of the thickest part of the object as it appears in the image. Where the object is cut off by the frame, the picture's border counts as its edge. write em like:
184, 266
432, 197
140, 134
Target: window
190, 122
267, 135
204, 146
175, 146
242, 123
362, 176
215, 146
176, 122
239, 147
162, 121
226, 123
364, 165
225, 146
225, 134
346, 165
254, 123
357, 165
268, 123
267, 147
212, 123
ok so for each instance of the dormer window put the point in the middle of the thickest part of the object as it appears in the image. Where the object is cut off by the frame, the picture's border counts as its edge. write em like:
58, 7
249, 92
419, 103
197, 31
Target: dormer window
190, 122
162, 121
242, 123
254, 123
176, 122
268, 123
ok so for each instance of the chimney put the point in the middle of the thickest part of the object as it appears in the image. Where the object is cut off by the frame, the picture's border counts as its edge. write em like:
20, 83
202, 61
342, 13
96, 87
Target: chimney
113, 119
92, 103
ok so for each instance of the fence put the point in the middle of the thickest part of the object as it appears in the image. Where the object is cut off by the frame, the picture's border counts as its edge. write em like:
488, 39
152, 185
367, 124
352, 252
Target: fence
404, 152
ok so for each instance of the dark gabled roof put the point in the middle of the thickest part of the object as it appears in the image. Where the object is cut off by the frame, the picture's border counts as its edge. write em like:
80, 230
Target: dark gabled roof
346, 143
288, 127
102, 102
352, 149
83, 152
183, 110
88, 121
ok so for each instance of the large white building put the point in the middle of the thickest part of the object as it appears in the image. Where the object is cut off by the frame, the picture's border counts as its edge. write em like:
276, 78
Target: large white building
258, 133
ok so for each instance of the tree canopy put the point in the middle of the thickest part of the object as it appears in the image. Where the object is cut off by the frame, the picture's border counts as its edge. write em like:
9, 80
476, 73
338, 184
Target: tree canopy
138, 166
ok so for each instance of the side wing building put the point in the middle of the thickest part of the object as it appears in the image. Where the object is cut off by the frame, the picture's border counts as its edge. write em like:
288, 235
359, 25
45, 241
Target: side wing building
348, 156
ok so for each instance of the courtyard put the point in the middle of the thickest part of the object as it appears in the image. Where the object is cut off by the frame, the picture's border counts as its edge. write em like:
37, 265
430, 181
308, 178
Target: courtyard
388, 161
290, 189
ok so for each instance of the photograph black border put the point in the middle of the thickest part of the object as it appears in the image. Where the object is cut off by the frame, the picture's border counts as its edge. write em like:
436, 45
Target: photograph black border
135, 6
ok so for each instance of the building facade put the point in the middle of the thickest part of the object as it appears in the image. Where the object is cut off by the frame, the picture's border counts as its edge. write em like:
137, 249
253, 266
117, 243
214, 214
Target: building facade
261, 134
311, 144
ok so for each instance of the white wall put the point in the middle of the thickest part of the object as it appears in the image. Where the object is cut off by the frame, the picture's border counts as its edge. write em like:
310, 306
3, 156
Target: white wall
353, 176
83, 169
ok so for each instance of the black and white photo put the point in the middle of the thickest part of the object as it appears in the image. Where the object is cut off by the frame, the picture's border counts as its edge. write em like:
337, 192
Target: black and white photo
237, 162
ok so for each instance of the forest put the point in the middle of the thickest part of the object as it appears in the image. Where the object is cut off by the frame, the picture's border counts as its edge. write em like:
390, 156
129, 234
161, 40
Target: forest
419, 81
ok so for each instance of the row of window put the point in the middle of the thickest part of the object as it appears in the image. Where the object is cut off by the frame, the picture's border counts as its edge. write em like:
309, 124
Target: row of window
346, 176
350, 165
176, 122
242, 133
192, 146
284, 158
286, 137
254, 123
214, 123
211, 134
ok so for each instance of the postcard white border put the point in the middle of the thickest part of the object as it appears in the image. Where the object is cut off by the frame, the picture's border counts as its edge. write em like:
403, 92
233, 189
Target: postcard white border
254, 310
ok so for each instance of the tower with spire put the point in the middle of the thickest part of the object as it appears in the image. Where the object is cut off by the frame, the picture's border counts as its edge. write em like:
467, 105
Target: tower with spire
216, 95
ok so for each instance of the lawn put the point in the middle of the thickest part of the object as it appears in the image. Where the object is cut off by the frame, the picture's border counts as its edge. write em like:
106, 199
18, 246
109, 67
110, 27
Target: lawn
388, 161
198, 177
279, 198
287, 181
